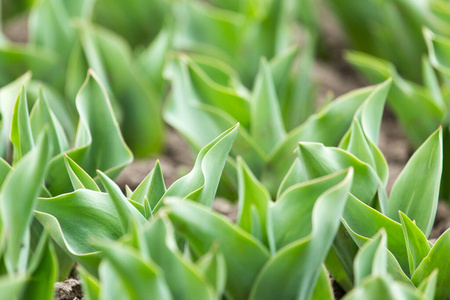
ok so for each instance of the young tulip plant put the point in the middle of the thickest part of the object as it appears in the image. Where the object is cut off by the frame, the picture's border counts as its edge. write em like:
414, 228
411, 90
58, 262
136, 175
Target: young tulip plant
419, 108
167, 244
207, 97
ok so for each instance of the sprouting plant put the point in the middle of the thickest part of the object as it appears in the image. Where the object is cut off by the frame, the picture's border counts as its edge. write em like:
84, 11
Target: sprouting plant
207, 97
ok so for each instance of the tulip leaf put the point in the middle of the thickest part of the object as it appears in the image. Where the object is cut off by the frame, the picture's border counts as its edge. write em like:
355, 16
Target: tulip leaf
416, 242
190, 219
293, 270
201, 183
18, 203
436, 259
417, 196
371, 259
79, 178
141, 278
252, 194
184, 280
152, 187
21, 135
95, 211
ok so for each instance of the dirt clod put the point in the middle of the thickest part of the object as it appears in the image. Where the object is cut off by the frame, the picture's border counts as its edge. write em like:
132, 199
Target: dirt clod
68, 290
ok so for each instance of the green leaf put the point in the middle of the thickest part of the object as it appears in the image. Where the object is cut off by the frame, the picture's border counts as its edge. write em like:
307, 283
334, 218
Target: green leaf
210, 80
337, 115
320, 161
152, 187
292, 212
213, 266
43, 271
111, 285
18, 203
371, 259
416, 242
98, 144
141, 277
428, 286
380, 287
414, 105
89, 285
252, 195
323, 289
110, 57
127, 212
266, 124
95, 211
184, 280
41, 116
12, 287
293, 270
190, 220
21, 136
79, 178
365, 221
5, 168
436, 259
417, 196
201, 183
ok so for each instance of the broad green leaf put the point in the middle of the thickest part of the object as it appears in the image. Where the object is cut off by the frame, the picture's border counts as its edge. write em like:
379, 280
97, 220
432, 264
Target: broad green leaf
362, 138
79, 178
21, 135
184, 280
18, 203
201, 183
93, 209
266, 124
414, 106
141, 278
50, 28
417, 196
190, 220
323, 289
111, 58
320, 161
89, 284
127, 212
98, 145
291, 213
41, 116
363, 148
252, 195
416, 242
8, 98
43, 271
152, 187
293, 270
371, 259
436, 259
366, 222
211, 90
12, 287
337, 115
